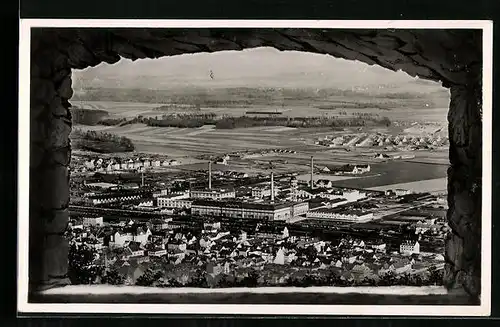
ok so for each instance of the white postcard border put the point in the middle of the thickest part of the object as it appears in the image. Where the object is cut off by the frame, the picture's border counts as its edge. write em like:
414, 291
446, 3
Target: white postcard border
389, 310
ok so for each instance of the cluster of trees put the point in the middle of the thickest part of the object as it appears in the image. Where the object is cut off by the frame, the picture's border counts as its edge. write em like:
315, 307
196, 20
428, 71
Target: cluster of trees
195, 120
81, 266
175, 107
88, 117
300, 122
101, 142
253, 279
182, 120
112, 121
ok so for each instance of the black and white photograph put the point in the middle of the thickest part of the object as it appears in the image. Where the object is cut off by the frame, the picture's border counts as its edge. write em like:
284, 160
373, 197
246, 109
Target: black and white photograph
255, 167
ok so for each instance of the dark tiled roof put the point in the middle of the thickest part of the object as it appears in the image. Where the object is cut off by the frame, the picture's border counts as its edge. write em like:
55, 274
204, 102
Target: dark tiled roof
135, 246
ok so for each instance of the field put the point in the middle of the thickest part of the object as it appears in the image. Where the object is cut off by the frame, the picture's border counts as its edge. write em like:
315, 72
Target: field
205, 140
132, 109
401, 174
430, 185
427, 172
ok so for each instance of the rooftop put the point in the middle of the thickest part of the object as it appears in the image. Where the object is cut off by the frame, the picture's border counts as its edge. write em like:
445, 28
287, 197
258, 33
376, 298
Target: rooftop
342, 211
264, 205
215, 190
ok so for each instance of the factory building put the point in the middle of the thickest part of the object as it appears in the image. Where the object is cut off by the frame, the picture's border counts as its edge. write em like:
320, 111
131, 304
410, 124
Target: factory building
341, 215
349, 195
95, 199
214, 193
263, 191
249, 210
175, 201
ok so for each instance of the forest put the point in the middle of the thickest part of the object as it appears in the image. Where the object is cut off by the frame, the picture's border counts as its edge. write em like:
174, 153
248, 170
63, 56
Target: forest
196, 120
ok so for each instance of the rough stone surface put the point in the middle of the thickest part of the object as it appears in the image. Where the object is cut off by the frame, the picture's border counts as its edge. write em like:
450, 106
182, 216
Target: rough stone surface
55, 256
58, 108
446, 56
55, 221
49, 160
59, 130
463, 248
41, 91
453, 57
55, 188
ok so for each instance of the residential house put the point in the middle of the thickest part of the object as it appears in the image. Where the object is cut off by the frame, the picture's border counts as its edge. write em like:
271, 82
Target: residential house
142, 236
221, 161
324, 183
177, 245
401, 192
119, 239
409, 247
157, 251
93, 221
279, 259
133, 250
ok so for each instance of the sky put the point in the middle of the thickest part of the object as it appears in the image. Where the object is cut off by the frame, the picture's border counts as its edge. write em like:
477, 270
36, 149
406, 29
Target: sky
260, 67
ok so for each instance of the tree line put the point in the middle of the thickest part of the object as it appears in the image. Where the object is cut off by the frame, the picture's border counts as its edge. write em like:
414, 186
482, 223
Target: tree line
89, 117
101, 142
300, 122
231, 122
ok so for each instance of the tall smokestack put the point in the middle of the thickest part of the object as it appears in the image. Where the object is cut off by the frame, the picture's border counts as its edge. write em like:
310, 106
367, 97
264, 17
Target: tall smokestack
210, 175
312, 172
272, 186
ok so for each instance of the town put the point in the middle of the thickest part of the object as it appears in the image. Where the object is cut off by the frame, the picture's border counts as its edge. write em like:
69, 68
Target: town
141, 220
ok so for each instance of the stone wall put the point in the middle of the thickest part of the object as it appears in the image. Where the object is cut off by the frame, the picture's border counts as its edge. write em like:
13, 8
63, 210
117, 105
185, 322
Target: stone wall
453, 57
463, 246
49, 159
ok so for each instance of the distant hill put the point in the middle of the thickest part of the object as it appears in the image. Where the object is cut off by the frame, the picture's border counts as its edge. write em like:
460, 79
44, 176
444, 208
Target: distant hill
326, 99
252, 68
259, 78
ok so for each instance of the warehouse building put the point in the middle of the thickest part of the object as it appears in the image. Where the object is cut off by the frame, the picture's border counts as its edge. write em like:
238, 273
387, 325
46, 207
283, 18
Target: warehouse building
249, 210
214, 193
341, 215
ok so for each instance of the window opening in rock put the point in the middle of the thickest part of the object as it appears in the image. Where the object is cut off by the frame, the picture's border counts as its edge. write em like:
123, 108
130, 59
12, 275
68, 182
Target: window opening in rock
144, 135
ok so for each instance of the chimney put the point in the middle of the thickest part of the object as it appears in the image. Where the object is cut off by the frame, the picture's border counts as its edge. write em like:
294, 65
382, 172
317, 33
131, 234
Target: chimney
312, 172
272, 186
210, 175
